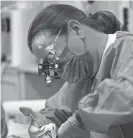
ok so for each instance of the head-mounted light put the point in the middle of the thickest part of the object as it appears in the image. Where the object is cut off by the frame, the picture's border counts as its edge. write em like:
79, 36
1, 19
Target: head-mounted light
50, 68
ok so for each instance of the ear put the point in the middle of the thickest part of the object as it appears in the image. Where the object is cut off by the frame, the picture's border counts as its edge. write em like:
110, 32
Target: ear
74, 26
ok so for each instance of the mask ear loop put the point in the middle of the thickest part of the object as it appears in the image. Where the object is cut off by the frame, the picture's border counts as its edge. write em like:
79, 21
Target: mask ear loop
82, 38
85, 47
67, 38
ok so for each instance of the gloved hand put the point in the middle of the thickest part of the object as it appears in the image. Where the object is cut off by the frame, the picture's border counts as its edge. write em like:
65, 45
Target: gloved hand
34, 130
73, 128
46, 116
58, 116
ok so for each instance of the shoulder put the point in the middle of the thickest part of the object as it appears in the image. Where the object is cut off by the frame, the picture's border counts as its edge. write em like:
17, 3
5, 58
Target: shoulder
123, 53
124, 41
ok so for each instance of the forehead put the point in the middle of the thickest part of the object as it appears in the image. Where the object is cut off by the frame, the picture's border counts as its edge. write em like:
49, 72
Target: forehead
42, 38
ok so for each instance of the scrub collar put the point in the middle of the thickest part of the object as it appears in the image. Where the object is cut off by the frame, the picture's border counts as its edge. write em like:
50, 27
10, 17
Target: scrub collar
111, 40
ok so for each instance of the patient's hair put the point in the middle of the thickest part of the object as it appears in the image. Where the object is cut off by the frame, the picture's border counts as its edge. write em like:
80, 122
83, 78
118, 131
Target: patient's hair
109, 23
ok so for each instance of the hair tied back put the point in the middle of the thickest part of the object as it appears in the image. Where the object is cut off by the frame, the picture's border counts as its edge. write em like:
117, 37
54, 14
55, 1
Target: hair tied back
90, 14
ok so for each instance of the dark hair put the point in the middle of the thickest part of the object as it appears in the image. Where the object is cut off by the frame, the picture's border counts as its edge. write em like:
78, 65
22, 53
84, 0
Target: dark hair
108, 21
55, 17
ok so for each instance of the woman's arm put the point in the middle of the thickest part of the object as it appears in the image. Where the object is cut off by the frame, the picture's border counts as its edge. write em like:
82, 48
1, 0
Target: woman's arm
69, 95
63, 104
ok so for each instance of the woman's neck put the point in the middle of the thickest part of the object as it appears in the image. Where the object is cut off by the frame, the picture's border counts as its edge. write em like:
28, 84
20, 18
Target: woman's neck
96, 43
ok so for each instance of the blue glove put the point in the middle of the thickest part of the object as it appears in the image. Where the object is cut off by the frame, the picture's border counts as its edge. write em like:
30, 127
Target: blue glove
73, 128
